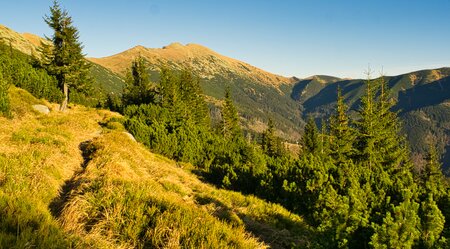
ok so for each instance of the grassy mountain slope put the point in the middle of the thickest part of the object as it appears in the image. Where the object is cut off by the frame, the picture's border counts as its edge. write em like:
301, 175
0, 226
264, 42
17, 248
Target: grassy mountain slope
74, 179
25, 43
205, 62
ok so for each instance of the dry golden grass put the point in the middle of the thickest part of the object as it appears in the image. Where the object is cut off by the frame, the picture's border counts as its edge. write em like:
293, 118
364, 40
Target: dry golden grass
132, 172
413, 78
34, 39
37, 154
436, 75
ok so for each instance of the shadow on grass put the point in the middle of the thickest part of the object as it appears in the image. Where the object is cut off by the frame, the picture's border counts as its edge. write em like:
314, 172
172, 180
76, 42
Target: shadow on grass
57, 204
282, 232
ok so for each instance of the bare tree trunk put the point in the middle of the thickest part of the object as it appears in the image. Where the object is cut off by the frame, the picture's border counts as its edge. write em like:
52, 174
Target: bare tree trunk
66, 97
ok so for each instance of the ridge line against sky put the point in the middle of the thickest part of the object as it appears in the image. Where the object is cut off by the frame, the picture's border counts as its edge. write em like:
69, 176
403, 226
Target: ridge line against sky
291, 38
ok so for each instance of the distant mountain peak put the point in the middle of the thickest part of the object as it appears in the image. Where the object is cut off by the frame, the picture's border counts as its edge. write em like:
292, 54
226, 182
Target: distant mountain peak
203, 61
174, 45
138, 47
25, 43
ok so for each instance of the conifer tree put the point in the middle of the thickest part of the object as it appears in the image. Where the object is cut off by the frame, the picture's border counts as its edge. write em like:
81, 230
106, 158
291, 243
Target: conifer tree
169, 94
230, 119
383, 157
183, 95
4, 97
341, 133
367, 126
433, 191
399, 226
432, 179
271, 144
310, 139
192, 96
324, 139
138, 88
380, 144
432, 224
65, 60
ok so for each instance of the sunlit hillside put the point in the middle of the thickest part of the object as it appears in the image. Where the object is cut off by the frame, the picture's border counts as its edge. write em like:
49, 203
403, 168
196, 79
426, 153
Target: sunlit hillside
76, 179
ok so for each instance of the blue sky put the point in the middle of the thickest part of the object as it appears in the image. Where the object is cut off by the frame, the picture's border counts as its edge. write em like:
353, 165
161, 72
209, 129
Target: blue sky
292, 38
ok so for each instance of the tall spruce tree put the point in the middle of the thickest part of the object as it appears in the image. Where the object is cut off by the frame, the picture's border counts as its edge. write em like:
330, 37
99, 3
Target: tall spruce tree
383, 157
431, 178
138, 88
192, 96
230, 118
433, 191
169, 95
310, 140
270, 143
65, 60
342, 135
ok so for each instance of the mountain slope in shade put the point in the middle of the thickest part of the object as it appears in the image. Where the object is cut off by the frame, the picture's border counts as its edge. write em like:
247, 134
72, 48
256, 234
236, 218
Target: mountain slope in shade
203, 61
310, 86
402, 87
422, 101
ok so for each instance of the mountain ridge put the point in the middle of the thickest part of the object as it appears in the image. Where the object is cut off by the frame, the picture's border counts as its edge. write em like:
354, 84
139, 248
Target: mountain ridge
26, 43
204, 61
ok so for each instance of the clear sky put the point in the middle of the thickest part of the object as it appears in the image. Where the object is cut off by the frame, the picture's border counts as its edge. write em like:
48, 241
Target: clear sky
291, 37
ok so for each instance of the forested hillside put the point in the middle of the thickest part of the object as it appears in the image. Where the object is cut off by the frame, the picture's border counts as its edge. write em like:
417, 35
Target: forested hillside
259, 95
418, 95
421, 99
66, 181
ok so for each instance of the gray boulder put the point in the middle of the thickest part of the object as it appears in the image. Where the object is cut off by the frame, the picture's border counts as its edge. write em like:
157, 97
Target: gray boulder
129, 136
41, 108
